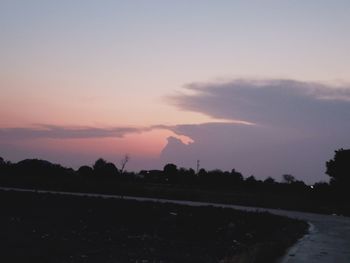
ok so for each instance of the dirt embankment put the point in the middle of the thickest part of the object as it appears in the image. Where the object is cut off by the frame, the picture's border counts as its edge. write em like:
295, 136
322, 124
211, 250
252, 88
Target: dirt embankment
53, 228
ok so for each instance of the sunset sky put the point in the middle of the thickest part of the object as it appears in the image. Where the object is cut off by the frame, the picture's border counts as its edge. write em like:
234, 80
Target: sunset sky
259, 86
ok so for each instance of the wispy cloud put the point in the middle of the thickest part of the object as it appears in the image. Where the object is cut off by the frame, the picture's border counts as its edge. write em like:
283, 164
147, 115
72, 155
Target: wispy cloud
47, 131
63, 132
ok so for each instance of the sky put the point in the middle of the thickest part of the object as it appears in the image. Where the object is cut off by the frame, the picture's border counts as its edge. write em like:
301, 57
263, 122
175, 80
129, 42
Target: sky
259, 86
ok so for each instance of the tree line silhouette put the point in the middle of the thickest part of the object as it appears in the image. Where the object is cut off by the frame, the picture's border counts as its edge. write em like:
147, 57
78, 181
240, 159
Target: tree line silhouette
171, 174
176, 182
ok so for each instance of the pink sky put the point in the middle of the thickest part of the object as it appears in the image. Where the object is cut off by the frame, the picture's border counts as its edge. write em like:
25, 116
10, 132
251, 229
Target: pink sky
122, 63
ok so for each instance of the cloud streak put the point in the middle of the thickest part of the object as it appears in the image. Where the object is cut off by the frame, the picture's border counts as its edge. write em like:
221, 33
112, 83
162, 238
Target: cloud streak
63, 132
45, 131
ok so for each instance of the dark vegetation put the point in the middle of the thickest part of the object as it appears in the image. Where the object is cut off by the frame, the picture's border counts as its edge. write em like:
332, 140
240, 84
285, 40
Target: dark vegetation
180, 183
58, 228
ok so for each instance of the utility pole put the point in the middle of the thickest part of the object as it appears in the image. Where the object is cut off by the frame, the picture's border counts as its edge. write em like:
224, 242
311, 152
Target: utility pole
197, 167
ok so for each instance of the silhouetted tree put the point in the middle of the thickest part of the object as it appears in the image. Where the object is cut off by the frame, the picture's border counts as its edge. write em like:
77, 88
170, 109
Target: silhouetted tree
123, 162
202, 172
170, 171
104, 168
251, 180
237, 177
99, 164
338, 168
288, 178
170, 168
269, 180
191, 172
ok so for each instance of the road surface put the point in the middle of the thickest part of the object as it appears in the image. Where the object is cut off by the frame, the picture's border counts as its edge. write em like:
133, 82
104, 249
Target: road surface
328, 240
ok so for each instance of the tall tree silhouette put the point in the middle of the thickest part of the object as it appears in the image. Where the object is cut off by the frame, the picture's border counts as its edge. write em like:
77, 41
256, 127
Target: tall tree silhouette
338, 169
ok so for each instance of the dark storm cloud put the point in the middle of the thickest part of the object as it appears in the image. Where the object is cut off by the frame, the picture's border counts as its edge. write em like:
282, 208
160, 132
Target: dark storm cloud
269, 102
298, 126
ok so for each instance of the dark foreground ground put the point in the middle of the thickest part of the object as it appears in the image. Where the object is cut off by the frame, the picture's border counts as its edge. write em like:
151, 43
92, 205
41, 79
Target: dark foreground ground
54, 228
